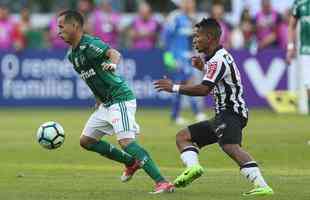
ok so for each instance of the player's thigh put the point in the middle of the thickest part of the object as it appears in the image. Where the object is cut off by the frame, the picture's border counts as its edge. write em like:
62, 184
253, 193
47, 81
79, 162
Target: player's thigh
98, 125
122, 118
202, 133
229, 128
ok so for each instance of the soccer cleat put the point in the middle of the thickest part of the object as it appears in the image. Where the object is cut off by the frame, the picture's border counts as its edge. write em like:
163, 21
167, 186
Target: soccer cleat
130, 170
163, 187
259, 191
188, 176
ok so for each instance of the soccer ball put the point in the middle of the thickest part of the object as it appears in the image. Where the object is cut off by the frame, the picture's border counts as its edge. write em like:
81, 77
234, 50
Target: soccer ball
51, 135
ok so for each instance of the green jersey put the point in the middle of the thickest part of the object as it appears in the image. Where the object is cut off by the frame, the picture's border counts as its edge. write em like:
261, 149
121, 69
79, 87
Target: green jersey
107, 86
301, 10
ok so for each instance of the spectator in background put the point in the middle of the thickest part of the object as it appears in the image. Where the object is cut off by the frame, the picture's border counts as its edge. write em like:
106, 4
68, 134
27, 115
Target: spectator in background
243, 35
104, 23
282, 30
217, 12
24, 26
85, 7
144, 29
177, 38
10, 35
54, 40
267, 21
247, 27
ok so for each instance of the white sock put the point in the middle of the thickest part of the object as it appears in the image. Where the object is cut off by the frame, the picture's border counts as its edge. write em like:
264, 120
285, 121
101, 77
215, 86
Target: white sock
189, 156
252, 173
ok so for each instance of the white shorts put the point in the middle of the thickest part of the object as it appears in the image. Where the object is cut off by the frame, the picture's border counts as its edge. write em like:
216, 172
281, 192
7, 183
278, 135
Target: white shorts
304, 61
119, 118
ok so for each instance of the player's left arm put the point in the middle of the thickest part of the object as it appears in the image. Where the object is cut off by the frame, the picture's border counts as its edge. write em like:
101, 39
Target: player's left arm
215, 71
115, 57
190, 90
100, 51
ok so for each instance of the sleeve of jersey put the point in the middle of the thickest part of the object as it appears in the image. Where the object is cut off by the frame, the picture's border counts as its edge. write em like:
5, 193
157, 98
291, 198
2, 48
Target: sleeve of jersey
214, 72
97, 50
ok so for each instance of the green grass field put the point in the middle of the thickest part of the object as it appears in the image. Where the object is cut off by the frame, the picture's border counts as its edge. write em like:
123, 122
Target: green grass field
29, 172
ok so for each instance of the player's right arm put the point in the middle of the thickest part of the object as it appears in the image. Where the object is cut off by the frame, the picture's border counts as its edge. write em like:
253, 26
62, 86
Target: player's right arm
292, 25
291, 49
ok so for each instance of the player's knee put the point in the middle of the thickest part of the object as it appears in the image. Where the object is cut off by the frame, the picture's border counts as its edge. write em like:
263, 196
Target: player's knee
230, 149
85, 142
125, 142
182, 136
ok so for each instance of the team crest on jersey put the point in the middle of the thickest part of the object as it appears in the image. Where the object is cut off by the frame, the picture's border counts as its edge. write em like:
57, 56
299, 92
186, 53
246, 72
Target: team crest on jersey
211, 69
83, 59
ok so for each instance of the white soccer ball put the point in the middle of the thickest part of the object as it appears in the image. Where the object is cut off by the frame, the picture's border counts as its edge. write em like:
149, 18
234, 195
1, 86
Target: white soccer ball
51, 135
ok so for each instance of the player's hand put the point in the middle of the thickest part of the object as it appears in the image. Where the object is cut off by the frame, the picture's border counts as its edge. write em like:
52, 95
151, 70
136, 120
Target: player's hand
197, 63
290, 54
108, 66
164, 84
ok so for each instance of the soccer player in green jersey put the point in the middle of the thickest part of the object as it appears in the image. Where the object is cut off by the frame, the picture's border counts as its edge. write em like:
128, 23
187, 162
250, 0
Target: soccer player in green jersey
96, 62
301, 14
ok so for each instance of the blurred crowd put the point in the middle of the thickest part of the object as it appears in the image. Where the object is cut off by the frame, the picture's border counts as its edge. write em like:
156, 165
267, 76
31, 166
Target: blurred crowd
267, 29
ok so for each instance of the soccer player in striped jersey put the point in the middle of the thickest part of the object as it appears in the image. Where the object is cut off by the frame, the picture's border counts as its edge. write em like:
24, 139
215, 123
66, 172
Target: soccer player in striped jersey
96, 62
222, 78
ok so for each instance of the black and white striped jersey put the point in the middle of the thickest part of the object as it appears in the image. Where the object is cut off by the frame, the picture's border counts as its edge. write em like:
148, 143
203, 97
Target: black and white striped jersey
222, 74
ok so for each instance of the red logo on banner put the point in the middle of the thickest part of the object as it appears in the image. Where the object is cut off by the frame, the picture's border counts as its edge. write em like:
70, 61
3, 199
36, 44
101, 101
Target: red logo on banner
211, 69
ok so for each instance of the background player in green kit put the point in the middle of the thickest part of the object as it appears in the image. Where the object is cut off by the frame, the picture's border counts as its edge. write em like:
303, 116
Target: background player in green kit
95, 62
301, 14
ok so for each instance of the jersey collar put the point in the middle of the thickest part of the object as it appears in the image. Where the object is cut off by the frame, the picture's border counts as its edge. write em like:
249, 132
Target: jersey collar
207, 58
79, 45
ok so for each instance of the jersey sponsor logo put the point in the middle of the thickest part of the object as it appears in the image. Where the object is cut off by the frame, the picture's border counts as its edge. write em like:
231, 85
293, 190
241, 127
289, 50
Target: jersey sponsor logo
211, 69
87, 74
